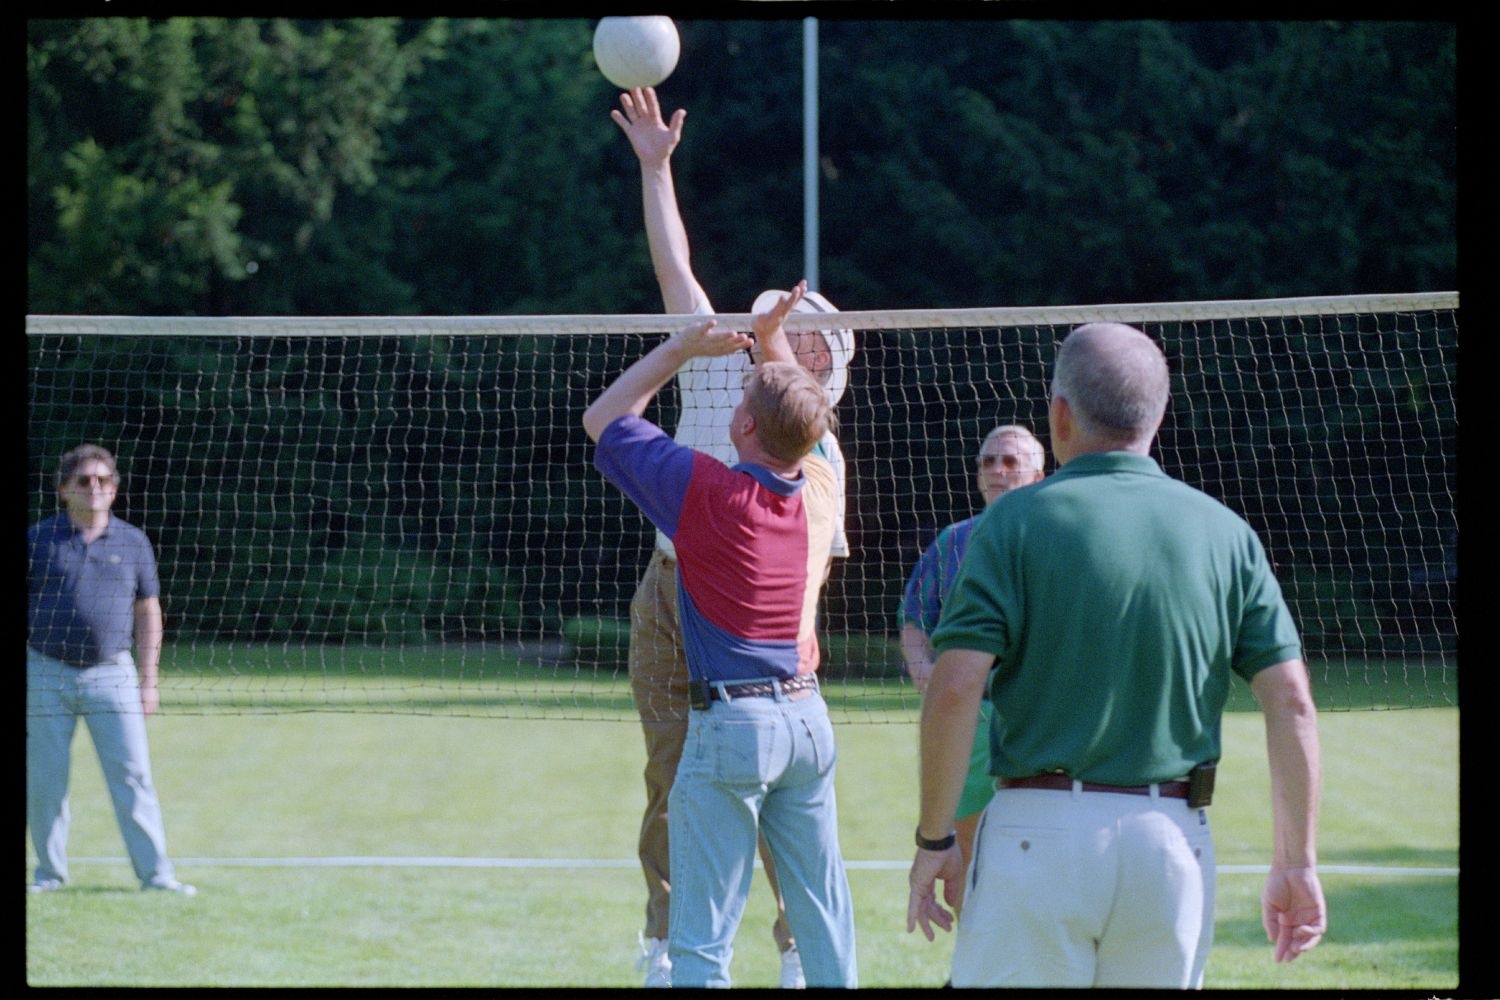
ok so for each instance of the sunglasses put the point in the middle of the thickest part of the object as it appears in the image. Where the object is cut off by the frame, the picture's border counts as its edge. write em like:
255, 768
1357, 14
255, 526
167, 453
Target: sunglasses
1010, 462
106, 480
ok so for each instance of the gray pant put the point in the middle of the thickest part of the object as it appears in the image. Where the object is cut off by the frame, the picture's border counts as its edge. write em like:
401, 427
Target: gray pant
108, 698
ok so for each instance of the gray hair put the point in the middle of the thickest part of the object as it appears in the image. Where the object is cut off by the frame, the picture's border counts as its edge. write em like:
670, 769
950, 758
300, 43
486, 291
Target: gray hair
1032, 445
1115, 379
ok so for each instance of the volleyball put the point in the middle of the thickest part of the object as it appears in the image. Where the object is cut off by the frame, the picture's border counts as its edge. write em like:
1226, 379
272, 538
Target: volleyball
636, 51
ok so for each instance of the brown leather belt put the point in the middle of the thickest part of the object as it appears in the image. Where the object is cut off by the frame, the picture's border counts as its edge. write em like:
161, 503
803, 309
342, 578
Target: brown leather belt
764, 689
1061, 782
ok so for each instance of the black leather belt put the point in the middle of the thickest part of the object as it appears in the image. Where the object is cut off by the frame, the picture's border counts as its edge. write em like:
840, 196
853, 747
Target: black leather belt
1166, 789
763, 689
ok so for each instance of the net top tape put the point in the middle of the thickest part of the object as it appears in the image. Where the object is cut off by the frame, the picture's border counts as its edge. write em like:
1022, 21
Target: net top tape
891, 319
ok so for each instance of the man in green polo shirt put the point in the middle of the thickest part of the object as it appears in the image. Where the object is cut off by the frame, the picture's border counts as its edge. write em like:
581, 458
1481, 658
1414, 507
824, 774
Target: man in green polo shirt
1104, 610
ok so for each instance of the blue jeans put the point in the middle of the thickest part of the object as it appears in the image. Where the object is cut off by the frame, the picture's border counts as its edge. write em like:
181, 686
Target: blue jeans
108, 697
751, 767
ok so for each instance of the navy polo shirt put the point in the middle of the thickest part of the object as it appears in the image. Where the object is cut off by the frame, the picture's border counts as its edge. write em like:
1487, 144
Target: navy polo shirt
81, 598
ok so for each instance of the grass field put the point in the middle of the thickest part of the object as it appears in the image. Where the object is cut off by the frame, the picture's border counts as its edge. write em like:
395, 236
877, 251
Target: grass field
367, 847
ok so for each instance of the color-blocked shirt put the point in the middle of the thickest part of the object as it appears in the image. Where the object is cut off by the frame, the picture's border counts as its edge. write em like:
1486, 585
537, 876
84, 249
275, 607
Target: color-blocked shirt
752, 548
710, 388
81, 597
1117, 602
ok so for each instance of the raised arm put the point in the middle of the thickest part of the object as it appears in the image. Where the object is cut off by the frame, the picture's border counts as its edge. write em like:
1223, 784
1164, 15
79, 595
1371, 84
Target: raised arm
653, 141
771, 340
1293, 911
633, 391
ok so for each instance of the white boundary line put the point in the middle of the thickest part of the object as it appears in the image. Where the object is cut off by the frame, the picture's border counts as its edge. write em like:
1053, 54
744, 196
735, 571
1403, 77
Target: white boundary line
576, 863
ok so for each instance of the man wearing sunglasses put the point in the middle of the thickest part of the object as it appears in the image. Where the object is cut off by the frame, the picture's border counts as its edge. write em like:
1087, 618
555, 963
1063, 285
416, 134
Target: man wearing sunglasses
92, 593
1009, 457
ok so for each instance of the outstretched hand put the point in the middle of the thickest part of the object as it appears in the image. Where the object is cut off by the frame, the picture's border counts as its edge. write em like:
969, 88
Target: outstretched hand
705, 340
770, 337
638, 384
652, 138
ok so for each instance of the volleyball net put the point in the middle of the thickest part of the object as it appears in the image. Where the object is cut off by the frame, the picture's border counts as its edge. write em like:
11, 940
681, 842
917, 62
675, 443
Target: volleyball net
400, 514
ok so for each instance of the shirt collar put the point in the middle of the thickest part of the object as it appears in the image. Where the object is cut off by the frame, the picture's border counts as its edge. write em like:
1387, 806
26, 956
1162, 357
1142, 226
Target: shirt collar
1101, 462
70, 530
776, 484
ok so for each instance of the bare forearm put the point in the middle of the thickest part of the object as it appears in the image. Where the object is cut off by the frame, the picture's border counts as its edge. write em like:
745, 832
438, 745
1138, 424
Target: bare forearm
633, 391
667, 238
916, 650
770, 335
1294, 756
148, 638
950, 711
1294, 753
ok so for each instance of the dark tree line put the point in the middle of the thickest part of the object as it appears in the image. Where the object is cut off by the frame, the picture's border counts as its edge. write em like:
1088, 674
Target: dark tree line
199, 166
227, 166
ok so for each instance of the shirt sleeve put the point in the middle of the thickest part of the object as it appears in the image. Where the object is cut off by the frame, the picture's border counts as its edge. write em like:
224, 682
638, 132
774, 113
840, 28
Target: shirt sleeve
648, 467
148, 579
828, 449
985, 596
921, 603
1267, 634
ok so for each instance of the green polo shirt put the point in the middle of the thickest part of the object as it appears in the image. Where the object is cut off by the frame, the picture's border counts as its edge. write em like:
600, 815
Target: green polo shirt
1116, 601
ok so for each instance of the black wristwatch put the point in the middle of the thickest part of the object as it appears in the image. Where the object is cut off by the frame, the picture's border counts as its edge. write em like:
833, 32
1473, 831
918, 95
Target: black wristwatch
936, 845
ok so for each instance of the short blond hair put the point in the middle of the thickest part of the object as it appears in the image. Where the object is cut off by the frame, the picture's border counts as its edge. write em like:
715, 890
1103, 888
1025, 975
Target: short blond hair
791, 410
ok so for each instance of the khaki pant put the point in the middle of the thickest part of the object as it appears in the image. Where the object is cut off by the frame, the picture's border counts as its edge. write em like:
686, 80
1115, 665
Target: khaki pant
1075, 889
659, 685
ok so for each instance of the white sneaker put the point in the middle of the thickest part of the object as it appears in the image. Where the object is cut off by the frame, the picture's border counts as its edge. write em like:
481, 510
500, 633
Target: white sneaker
791, 970
171, 885
655, 961
45, 885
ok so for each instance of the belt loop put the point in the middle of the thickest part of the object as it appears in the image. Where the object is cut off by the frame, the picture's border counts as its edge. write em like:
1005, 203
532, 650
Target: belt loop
778, 693
1155, 791
1077, 788
723, 690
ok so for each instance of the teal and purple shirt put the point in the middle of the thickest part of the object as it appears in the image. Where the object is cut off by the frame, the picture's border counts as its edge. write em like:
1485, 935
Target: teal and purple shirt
933, 576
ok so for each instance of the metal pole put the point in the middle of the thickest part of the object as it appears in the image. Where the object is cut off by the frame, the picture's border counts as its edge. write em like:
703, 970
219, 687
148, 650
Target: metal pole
810, 151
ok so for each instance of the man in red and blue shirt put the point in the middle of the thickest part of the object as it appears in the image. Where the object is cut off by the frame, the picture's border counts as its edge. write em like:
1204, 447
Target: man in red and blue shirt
753, 543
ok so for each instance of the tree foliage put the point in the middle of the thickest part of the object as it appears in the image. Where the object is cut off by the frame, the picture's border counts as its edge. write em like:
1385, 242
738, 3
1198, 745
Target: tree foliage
209, 165
232, 166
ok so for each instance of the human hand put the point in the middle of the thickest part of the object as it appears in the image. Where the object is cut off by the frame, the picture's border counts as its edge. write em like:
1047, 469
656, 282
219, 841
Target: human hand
652, 139
1292, 911
703, 340
922, 908
771, 341
920, 671
150, 697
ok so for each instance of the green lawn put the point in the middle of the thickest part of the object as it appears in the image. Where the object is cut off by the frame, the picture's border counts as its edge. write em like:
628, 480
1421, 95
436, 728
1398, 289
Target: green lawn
374, 781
